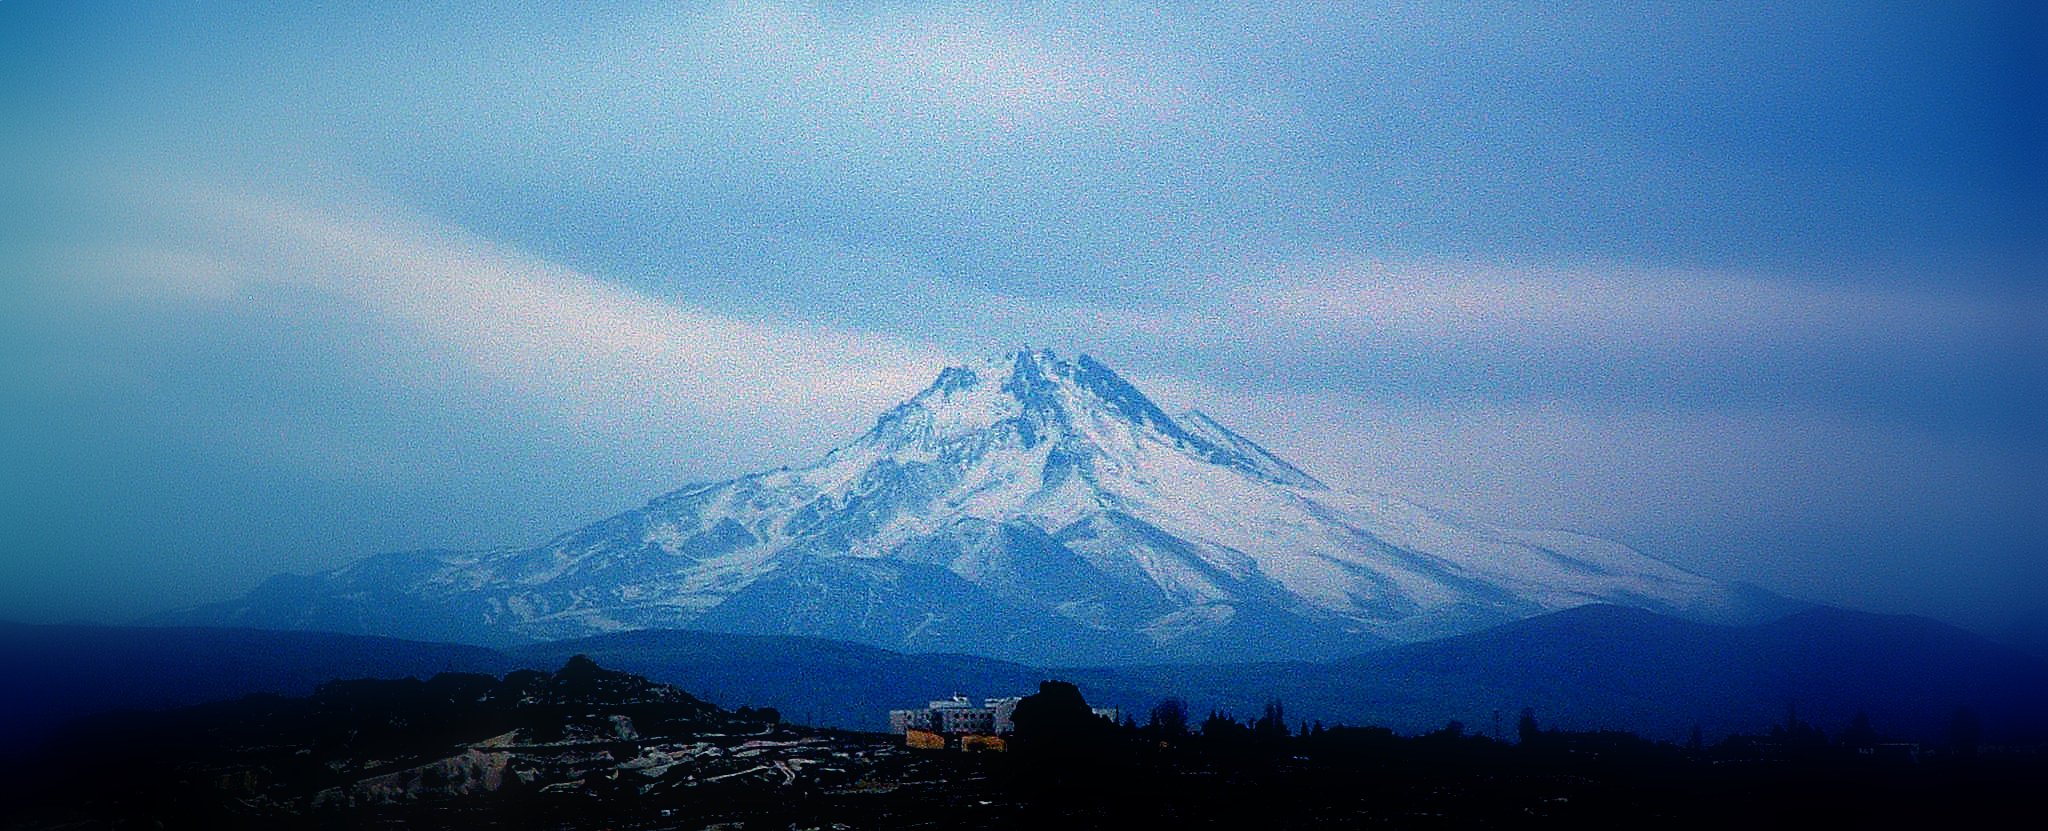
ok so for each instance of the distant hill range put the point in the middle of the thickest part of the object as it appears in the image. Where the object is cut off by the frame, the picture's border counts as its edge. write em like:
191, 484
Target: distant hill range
1031, 508
1611, 667
1585, 668
51, 673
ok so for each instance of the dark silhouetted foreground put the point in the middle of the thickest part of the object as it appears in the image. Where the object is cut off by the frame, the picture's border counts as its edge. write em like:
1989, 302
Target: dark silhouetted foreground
586, 747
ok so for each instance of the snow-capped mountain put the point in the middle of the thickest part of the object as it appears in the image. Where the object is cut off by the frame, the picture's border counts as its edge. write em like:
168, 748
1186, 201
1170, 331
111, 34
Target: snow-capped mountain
1032, 508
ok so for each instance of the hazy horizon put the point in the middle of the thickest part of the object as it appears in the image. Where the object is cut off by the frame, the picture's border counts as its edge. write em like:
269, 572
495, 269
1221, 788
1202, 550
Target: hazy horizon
1754, 290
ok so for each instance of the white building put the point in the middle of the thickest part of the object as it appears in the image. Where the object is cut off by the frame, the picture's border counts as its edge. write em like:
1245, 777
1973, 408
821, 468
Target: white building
958, 716
901, 721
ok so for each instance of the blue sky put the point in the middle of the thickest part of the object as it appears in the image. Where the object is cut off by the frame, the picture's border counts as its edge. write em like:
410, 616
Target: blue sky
1754, 289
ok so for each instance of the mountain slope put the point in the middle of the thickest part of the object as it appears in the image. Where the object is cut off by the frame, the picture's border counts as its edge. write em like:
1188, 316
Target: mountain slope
1030, 508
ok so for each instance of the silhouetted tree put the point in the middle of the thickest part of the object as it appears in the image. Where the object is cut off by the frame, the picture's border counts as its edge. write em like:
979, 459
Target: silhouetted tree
1056, 718
1272, 726
1170, 718
762, 715
1221, 728
1526, 729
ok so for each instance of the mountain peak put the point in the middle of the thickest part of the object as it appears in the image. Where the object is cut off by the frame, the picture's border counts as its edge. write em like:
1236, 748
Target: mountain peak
1082, 405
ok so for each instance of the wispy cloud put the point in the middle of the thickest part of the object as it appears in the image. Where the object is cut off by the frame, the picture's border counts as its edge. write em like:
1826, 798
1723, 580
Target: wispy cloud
1654, 337
602, 356
1614, 308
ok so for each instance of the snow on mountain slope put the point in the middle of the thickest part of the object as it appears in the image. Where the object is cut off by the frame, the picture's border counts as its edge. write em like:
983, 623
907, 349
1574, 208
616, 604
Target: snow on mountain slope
1031, 508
